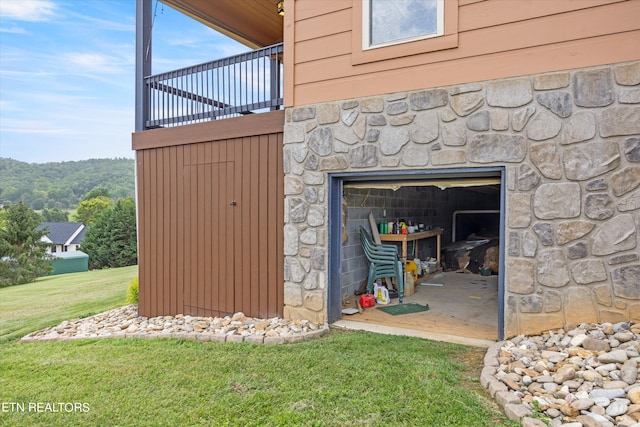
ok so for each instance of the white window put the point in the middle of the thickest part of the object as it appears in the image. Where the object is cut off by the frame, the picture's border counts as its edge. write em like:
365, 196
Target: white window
389, 22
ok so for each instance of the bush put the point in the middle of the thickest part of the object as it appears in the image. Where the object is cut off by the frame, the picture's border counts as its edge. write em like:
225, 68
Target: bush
132, 292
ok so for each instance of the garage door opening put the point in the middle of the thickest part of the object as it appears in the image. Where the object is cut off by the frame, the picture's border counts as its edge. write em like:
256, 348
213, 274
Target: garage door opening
457, 267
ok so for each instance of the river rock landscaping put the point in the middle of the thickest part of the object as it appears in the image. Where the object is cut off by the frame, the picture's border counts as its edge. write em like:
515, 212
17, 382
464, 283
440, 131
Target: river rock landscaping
581, 376
125, 322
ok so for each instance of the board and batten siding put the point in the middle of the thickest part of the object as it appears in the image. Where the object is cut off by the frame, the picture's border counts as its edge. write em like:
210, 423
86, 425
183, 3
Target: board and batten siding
495, 39
210, 218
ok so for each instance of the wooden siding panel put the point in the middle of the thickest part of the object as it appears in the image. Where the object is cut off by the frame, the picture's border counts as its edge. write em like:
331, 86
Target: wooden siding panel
186, 226
247, 278
272, 209
238, 127
312, 8
200, 255
255, 226
199, 233
328, 47
228, 273
153, 241
210, 281
178, 236
323, 25
239, 262
263, 192
494, 13
193, 231
511, 64
489, 35
279, 225
144, 247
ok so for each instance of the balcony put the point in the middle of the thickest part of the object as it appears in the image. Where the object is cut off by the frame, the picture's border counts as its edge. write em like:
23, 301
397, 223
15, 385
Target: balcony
239, 85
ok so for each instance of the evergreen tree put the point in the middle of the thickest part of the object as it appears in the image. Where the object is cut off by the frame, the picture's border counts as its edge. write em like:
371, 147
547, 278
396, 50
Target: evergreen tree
112, 240
23, 255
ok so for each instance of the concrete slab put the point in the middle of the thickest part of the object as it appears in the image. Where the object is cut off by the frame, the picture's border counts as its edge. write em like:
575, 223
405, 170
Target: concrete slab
392, 330
463, 306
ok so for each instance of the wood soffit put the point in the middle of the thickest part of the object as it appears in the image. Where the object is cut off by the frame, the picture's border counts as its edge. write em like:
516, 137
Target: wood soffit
254, 23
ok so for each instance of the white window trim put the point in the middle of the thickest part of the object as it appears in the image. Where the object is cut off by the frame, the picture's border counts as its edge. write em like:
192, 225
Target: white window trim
366, 31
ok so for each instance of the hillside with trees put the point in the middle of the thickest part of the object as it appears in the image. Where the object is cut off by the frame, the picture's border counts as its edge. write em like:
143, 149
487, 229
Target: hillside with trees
63, 185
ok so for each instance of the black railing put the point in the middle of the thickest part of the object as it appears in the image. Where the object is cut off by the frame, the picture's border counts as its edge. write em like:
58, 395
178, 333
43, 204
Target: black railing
248, 83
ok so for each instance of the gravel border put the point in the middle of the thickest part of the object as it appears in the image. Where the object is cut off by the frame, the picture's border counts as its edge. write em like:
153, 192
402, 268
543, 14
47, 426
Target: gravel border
119, 319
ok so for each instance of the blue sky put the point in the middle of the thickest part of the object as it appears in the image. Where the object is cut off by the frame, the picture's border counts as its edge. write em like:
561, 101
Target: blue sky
67, 74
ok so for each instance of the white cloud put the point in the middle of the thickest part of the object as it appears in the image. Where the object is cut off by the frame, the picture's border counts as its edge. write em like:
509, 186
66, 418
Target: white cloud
94, 63
13, 30
26, 126
27, 10
106, 24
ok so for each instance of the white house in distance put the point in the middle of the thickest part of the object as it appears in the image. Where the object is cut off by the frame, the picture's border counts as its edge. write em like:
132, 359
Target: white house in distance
63, 236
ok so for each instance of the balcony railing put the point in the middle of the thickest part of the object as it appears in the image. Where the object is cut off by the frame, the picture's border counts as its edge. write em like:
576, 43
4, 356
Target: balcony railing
248, 83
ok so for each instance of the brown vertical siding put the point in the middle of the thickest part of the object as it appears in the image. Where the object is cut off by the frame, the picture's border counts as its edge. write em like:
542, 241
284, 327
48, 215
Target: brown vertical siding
495, 40
199, 253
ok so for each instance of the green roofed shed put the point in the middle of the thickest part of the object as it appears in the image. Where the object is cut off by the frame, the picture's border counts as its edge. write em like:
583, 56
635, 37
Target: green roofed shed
70, 262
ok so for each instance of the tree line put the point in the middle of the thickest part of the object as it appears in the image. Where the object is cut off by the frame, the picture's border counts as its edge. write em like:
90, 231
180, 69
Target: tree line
62, 185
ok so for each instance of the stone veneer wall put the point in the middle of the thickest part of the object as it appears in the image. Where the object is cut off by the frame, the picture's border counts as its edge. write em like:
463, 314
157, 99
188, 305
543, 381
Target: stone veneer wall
570, 142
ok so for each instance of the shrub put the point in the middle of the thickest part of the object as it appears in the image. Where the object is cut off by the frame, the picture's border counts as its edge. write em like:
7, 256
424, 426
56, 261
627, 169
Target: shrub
132, 292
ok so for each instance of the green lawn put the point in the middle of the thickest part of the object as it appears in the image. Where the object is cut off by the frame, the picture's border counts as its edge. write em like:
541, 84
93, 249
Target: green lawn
341, 379
52, 299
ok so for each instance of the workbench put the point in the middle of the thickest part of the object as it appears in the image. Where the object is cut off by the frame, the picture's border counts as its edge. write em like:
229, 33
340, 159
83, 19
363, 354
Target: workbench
414, 237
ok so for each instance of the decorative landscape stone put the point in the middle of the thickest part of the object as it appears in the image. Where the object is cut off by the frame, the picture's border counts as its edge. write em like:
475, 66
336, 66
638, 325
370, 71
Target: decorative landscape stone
124, 322
580, 376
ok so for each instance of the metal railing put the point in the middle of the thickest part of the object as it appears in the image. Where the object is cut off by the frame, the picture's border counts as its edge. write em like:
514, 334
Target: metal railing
248, 83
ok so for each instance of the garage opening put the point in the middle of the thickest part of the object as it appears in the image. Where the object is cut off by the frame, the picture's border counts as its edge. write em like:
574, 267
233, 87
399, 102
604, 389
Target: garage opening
448, 228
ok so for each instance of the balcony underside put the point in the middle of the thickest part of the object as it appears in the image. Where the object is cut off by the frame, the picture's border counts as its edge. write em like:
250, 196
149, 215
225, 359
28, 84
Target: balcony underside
254, 23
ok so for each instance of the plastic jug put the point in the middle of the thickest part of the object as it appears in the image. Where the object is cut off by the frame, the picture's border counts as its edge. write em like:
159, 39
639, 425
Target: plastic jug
381, 293
409, 284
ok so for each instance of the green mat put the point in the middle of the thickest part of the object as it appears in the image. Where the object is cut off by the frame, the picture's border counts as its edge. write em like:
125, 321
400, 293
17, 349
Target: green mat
404, 308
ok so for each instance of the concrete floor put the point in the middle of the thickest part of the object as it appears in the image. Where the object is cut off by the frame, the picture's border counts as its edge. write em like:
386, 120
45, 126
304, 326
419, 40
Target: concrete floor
463, 310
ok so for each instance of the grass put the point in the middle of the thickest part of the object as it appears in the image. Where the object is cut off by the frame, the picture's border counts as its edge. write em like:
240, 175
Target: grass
52, 299
344, 378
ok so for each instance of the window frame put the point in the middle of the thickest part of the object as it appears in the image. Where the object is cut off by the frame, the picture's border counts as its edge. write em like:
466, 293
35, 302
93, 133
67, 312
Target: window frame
401, 48
366, 27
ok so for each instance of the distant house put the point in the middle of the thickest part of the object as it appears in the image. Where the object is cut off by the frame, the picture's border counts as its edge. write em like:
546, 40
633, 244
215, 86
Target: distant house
63, 236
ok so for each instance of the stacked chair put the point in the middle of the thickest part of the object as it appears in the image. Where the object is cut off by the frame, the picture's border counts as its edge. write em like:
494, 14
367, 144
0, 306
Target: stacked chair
383, 262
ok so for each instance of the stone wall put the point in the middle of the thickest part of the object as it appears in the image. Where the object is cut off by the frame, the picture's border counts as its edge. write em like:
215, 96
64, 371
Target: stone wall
570, 143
